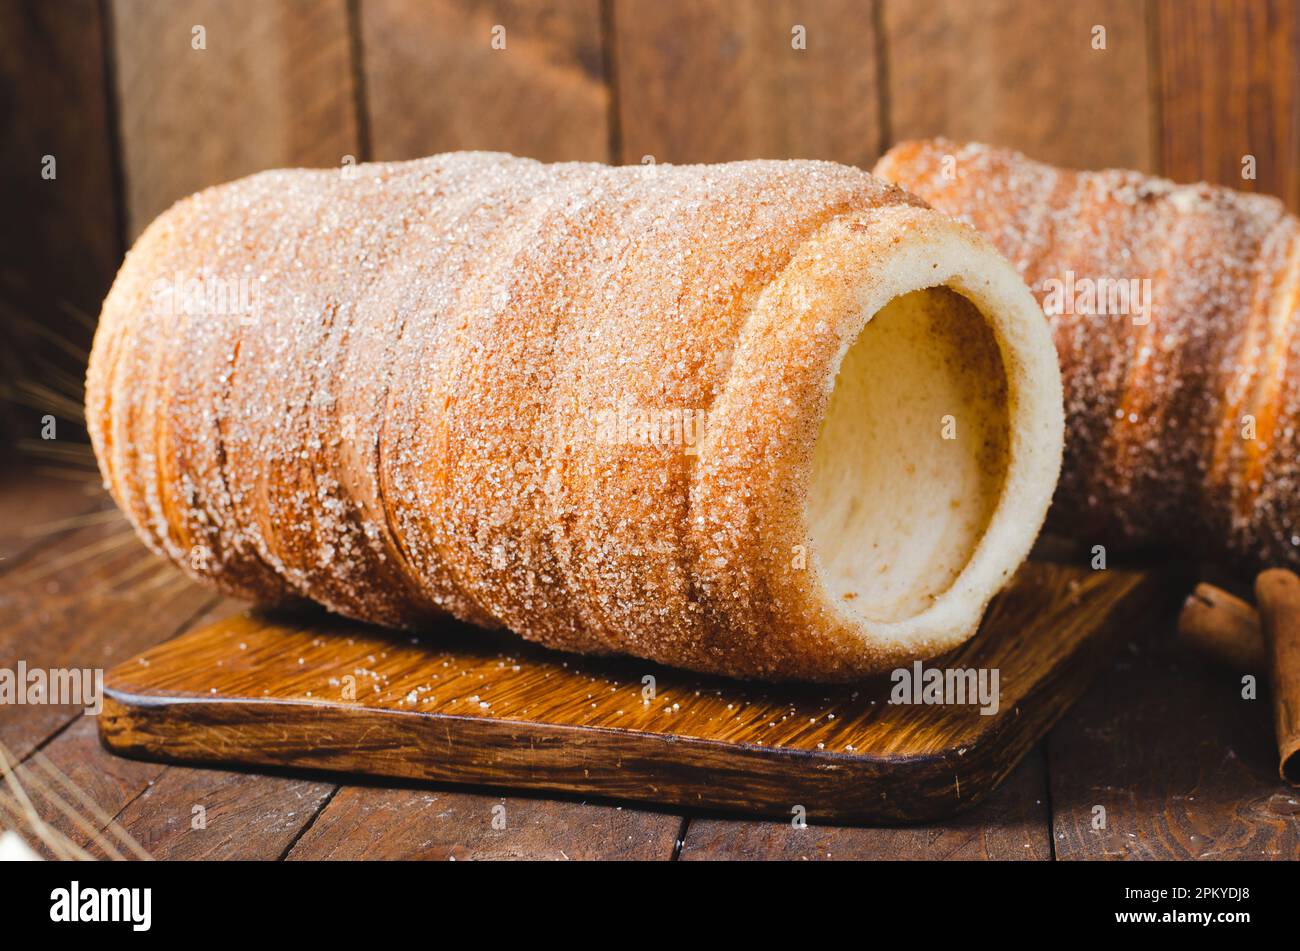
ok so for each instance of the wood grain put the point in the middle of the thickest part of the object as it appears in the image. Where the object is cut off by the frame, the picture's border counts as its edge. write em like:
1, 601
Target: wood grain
244, 815
1182, 765
435, 83
273, 88
77, 602
92, 599
368, 823
1023, 75
62, 239
360, 822
1010, 825
716, 81
62, 235
110, 782
472, 707
1229, 86
37, 508
268, 810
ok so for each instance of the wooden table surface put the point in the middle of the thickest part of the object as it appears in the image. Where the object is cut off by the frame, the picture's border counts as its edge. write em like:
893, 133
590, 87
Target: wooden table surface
1163, 743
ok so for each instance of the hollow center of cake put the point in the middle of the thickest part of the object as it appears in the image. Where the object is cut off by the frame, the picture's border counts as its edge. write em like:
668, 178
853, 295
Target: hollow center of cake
912, 456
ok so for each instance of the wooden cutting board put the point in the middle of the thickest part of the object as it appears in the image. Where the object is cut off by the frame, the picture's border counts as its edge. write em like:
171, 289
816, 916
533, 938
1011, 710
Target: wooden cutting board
465, 706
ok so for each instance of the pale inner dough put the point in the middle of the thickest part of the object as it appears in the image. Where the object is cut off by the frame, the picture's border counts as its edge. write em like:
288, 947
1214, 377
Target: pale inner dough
895, 509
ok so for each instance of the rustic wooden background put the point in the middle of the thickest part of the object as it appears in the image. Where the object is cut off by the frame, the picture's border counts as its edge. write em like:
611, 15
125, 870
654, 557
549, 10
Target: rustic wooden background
136, 118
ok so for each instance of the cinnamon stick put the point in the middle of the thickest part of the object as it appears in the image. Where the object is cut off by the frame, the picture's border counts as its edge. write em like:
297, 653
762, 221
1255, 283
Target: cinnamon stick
1278, 593
1224, 627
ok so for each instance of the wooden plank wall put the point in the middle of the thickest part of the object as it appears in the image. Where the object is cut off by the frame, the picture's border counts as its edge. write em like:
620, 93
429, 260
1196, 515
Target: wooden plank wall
62, 240
436, 81
1024, 75
270, 85
1227, 86
719, 81
139, 117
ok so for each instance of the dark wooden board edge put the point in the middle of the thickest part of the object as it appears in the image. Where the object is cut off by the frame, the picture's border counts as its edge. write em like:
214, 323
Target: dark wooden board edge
670, 770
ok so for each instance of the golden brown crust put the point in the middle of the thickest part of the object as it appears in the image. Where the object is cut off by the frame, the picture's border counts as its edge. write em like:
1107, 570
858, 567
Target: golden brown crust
1183, 430
409, 423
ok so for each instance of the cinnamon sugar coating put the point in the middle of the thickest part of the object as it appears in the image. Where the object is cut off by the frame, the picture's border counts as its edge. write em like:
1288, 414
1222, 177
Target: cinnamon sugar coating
412, 407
